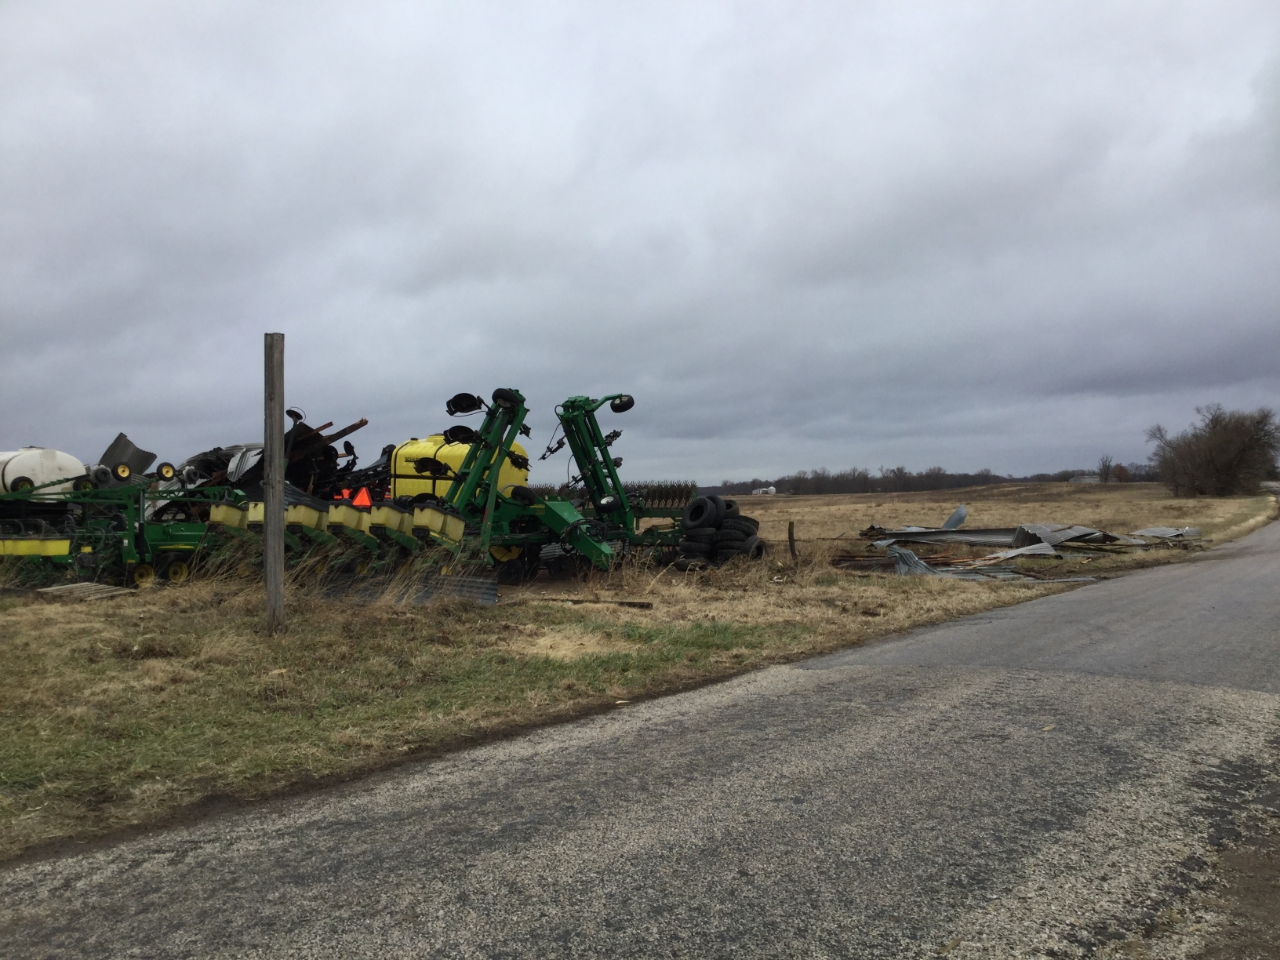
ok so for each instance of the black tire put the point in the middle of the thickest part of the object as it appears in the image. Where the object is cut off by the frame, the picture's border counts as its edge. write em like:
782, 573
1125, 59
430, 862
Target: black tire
745, 525
21, 483
731, 511
523, 496
698, 512
685, 564
84, 483
753, 548
719, 509
727, 535
563, 567
701, 534
692, 547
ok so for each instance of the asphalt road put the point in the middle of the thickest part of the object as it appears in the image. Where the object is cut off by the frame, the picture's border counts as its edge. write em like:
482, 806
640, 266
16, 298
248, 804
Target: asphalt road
1048, 778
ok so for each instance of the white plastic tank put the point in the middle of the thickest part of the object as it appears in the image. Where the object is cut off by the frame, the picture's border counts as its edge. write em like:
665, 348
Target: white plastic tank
39, 466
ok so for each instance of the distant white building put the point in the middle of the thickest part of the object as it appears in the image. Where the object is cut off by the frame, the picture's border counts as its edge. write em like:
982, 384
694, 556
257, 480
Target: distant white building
764, 491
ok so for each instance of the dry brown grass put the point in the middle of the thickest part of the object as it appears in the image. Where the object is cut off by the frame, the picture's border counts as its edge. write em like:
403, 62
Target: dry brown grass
119, 712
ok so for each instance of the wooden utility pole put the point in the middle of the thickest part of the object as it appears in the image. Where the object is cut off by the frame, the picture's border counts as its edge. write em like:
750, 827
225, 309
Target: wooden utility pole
273, 481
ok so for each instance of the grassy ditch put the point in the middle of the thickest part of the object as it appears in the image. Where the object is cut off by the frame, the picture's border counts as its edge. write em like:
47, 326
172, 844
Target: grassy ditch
122, 712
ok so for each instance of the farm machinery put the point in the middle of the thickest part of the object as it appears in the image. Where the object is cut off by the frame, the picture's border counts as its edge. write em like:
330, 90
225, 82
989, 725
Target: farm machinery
456, 502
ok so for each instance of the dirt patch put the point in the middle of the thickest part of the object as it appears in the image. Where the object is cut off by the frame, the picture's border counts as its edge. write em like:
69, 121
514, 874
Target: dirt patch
561, 642
1248, 891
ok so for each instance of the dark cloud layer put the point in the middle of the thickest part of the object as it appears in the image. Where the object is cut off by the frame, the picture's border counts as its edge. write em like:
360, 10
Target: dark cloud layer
973, 235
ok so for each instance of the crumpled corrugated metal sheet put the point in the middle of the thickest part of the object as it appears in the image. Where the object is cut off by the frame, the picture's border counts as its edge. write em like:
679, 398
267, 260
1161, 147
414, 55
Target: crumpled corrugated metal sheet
907, 564
1056, 533
996, 537
1168, 533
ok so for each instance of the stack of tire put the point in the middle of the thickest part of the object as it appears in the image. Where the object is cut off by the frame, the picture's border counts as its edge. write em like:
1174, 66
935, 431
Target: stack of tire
715, 531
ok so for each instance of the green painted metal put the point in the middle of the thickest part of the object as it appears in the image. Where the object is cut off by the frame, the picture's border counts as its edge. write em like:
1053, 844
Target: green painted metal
496, 519
112, 529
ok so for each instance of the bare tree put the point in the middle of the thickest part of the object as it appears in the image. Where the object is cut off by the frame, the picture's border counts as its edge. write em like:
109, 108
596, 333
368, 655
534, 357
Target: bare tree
1228, 453
1104, 468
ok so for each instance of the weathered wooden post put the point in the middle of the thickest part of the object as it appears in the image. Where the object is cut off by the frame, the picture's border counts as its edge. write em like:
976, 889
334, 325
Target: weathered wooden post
273, 481
791, 542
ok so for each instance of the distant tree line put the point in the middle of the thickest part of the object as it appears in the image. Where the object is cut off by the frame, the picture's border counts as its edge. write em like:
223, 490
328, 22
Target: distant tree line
1228, 453
902, 480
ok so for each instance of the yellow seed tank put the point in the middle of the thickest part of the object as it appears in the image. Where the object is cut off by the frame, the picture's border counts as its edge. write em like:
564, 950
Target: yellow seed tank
406, 481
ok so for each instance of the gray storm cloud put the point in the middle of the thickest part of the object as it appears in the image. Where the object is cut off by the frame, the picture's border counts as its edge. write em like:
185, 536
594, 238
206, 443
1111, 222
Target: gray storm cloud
973, 235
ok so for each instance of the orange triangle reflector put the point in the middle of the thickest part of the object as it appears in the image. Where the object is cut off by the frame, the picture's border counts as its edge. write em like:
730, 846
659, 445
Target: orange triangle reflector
362, 498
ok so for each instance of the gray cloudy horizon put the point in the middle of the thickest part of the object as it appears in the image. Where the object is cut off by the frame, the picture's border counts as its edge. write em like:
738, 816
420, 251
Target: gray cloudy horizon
973, 235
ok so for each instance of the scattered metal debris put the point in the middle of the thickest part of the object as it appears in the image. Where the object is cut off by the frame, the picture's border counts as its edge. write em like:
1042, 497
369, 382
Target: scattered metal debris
1027, 534
1025, 540
1056, 533
1169, 533
906, 563
996, 537
83, 591
957, 518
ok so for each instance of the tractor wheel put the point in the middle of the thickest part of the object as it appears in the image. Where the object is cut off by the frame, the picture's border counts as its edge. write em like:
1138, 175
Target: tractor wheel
511, 572
506, 398
523, 568
143, 575
177, 572
83, 484
21, 483
166, 471
745, 525
567, 566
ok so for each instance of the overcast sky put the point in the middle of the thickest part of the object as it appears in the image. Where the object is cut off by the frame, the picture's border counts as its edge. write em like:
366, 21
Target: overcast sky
1005, 235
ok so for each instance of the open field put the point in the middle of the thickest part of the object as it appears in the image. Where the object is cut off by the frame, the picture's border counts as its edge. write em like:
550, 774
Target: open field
125, 711
831, 524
